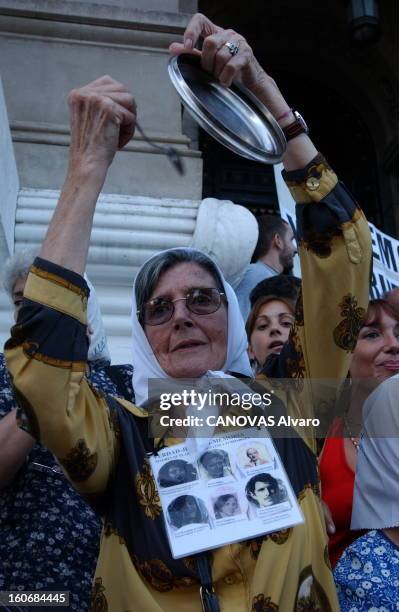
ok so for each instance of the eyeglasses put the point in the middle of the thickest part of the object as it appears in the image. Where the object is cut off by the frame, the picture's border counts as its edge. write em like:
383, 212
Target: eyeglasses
198, 300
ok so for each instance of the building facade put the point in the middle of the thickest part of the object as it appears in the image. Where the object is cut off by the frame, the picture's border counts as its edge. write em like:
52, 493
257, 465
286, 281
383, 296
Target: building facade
48, 48
348, 93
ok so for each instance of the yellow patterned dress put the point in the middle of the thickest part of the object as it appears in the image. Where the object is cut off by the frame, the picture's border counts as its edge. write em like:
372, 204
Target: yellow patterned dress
102, 442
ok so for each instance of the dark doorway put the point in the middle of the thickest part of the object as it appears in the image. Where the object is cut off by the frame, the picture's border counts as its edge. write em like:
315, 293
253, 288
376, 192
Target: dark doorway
227, 176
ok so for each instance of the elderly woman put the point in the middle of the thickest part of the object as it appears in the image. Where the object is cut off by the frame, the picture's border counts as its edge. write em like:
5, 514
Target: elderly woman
188, 325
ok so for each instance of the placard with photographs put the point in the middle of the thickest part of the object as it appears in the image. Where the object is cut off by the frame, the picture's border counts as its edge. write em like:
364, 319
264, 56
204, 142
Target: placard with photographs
235, 490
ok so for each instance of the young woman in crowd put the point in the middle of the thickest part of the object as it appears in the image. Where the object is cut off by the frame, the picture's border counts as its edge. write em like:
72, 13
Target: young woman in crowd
375, 358
186, 324
268, 328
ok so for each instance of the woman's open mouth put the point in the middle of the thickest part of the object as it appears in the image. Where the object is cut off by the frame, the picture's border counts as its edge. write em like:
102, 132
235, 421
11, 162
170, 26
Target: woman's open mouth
276, 346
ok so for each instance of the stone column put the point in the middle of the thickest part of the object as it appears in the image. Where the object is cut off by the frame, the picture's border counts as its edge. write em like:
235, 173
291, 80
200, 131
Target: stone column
49, 47
9, 187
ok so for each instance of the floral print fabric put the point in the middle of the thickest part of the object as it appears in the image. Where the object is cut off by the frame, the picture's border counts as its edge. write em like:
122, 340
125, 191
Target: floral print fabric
49, 536
367, 575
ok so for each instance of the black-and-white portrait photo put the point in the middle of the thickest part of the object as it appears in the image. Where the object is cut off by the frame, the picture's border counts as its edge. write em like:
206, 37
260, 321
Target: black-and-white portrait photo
176, 472
215, 464
263, 490
253, 455
226, 506
187, 510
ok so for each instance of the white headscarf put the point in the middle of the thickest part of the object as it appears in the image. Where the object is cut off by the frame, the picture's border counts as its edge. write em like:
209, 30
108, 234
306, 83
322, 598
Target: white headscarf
376, 493
98, 347
145, 364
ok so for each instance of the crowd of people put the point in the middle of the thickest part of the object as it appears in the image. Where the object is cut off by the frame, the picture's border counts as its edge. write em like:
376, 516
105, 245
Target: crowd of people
74, 437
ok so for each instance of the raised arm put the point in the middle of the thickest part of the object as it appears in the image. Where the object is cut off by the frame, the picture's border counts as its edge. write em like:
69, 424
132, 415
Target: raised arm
333, 235
102, 117
244, 67
47, 352
334, 246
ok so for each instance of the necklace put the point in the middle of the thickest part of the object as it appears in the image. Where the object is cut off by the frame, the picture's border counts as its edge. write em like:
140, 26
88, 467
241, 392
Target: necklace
354, 439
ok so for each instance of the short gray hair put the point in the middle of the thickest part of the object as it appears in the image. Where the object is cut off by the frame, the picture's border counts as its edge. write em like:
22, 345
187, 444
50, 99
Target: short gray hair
17, 266
150, 273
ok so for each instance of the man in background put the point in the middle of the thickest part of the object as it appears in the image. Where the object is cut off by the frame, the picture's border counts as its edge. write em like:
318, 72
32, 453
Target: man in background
274, 254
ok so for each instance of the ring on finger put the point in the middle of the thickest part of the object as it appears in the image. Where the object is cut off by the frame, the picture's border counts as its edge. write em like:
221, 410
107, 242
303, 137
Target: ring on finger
233, 47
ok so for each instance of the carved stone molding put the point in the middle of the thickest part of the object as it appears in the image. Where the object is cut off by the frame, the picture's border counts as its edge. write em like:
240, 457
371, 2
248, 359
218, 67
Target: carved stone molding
127, 230
93, 13
48, 133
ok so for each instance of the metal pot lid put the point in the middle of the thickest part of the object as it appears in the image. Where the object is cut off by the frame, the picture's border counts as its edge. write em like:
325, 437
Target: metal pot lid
232, 115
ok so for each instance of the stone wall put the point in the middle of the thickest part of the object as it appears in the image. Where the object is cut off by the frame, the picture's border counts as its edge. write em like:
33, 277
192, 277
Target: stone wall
48, 48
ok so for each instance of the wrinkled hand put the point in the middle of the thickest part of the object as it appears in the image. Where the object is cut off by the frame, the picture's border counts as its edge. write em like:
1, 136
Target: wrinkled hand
217, 60
103, 118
